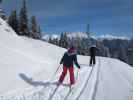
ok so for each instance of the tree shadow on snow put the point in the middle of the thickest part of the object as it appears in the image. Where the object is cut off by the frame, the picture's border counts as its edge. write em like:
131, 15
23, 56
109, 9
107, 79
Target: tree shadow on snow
37, 83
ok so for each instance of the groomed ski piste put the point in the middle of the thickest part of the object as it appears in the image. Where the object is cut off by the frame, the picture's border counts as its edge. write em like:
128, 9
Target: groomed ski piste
27, 72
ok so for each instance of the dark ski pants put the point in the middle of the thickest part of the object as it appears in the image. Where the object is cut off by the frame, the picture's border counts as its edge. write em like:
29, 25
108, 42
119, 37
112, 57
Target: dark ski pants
92, 60
71, 72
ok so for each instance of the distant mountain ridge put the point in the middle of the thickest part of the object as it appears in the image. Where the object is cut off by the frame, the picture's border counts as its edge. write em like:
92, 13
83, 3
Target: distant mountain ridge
84, 35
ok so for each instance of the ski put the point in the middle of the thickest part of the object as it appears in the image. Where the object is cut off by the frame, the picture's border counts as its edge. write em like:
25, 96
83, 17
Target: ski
69, 92
57, 86
52, 95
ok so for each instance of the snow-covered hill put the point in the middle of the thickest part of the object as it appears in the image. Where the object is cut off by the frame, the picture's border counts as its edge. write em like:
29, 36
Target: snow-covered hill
27, 69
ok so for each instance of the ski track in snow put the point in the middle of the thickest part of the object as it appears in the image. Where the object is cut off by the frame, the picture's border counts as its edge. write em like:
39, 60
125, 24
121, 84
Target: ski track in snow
53, 93
92, 87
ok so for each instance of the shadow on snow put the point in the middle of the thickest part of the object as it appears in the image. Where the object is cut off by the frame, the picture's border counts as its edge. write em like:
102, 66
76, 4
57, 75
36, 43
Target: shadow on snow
37, 83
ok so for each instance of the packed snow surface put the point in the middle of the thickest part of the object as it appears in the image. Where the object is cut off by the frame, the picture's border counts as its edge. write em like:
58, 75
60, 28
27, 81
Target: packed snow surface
27, 72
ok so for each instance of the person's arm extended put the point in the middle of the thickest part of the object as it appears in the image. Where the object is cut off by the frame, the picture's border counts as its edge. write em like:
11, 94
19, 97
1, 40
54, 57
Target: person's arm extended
62, 59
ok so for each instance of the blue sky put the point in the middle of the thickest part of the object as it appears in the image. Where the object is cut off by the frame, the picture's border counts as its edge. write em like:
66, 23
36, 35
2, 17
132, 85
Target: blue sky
104, 16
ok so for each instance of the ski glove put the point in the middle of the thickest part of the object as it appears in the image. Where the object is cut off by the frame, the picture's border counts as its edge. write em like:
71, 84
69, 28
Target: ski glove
78, 67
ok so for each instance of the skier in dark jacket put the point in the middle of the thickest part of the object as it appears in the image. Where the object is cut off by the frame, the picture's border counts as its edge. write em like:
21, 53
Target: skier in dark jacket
93, 49
67, 60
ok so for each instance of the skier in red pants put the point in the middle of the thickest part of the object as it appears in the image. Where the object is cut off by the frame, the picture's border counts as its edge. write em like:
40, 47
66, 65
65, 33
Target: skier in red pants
67, 60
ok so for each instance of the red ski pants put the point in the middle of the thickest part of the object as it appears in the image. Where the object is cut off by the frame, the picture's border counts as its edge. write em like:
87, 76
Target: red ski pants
71, 72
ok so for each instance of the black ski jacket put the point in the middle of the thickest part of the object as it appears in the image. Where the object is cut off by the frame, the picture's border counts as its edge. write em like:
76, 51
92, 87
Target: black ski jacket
68, 60
93, 51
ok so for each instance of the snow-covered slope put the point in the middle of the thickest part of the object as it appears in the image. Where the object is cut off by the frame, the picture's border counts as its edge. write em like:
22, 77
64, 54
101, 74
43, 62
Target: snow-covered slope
22, 54
27, 69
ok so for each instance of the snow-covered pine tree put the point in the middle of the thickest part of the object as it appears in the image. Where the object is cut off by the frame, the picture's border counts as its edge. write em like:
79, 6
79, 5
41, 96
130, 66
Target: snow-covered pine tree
78, 44
39, 32
23, 21
130, 52
2, 14
63, 42
13, 21
50, 40
34, 28
88, 30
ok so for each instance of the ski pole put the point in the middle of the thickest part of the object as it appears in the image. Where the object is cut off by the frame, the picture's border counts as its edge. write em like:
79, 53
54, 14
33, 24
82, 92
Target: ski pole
77, 75
56, 71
